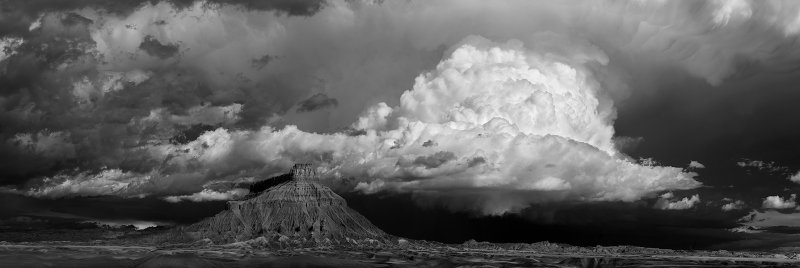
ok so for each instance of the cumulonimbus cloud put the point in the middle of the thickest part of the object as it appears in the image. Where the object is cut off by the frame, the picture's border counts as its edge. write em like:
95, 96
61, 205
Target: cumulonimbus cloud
532, 117
517, 110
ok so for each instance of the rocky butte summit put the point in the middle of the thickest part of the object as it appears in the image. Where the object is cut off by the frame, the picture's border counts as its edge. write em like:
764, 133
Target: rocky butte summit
292, 210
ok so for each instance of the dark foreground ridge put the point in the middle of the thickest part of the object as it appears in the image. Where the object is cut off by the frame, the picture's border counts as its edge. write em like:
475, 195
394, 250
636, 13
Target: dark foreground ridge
296, 211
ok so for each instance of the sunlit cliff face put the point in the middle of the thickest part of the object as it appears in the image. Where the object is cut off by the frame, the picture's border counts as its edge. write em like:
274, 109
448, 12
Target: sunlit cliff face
487, 106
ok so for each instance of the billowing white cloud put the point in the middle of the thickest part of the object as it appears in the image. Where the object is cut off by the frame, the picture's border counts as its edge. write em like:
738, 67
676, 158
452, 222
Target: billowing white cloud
735, 205
521, 109
532, 115
777, 202
363, 53
682, 204
559, 148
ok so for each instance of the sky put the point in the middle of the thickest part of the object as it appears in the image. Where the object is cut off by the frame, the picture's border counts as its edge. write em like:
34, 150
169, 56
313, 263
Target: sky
583, 122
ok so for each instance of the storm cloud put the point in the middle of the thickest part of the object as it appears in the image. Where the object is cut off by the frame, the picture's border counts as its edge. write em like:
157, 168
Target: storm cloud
162, 98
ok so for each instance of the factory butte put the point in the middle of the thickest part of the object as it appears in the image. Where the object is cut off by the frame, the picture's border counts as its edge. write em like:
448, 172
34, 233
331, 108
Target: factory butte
291, 210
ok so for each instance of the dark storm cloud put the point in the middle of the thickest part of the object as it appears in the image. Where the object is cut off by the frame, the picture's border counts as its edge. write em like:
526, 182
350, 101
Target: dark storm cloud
170, 96
742, 130
35, 108
585, 224
156, 49
316, 102
85, 111
54, 94
17, 15
291, 7
576, 223
108, 208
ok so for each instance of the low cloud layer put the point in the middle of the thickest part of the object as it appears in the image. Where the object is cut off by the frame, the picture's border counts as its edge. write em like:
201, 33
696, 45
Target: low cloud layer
766, 166
208, 195
160, 98
770, 218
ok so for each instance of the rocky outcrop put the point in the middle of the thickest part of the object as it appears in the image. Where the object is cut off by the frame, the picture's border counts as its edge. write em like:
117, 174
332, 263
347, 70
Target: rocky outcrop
297, 211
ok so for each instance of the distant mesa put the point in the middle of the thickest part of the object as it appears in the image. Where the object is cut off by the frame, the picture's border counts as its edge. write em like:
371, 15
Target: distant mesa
295, 210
